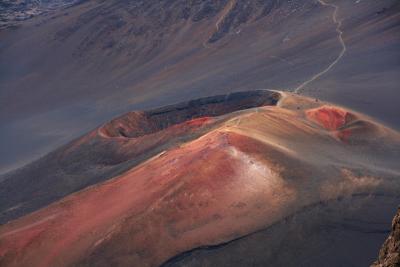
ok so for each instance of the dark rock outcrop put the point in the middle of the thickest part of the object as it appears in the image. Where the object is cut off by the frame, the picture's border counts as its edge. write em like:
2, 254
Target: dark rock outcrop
389, 255
12, 12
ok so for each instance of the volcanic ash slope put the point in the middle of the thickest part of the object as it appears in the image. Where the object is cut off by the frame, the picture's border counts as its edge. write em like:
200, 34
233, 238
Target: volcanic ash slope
241, 171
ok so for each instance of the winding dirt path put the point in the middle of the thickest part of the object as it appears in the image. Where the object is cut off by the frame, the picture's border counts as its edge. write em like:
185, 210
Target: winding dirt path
340, 37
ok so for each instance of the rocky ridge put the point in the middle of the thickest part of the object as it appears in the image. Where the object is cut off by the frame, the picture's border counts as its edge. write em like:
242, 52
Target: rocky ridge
389, 255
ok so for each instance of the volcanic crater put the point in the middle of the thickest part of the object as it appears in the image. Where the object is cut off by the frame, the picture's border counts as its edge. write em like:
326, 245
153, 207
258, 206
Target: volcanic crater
156, 185
140, 123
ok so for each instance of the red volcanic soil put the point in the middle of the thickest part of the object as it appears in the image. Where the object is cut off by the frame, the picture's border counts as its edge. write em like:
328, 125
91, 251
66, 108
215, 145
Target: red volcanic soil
248, 171
332, 119
141, 123
117, 146
194, 195
198, 121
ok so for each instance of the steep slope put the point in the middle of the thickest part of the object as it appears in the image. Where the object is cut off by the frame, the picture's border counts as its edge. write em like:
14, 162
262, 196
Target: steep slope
116, 146
389, 254
245, 169
63, 73
14, 12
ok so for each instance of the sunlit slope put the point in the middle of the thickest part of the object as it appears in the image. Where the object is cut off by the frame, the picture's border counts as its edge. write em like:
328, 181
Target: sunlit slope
251, 170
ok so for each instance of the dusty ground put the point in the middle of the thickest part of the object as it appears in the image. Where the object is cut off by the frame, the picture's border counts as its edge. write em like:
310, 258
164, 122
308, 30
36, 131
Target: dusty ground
64, 73
297, 168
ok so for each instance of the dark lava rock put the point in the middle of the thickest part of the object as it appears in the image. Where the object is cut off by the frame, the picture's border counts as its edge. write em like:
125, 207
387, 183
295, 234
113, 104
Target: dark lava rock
389, 255
14, 11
